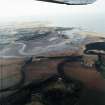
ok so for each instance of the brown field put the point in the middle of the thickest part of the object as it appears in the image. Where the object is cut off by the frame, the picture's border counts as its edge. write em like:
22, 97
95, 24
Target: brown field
40, 70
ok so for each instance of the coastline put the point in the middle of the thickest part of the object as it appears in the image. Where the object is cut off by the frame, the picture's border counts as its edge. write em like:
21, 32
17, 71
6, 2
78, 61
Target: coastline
49, 67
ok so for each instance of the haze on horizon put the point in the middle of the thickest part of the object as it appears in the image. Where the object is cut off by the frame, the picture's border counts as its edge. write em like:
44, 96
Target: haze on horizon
58, 14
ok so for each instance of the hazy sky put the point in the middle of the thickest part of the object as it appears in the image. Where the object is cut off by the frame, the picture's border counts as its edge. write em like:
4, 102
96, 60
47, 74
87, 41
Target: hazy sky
17, 8
90, 16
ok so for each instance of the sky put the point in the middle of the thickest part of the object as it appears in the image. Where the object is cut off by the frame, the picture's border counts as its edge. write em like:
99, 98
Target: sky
18, 8
91, 16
